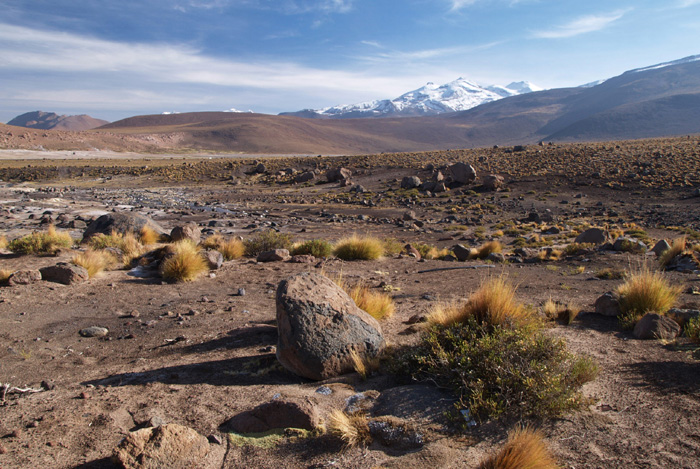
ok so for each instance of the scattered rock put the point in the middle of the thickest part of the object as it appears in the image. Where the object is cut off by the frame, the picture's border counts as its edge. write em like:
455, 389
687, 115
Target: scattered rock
24, 277
338, 174
120, 222
410, 182
607, 305
660, 247
319, 326
65, 273
461, 173
187, 231
656, 326
303, 259
395, 433
173, 446
306, 176
592, 236
279, 413
493, 182
415, 402
627, 244
461, 252
94, 331
214, 258
275, 255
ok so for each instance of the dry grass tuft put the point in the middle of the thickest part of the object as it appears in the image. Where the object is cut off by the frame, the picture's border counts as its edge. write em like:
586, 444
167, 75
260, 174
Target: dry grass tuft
487, 248
524, 449
5, 276
559, 312
148, 235
445, 313
353, 429
128, 245
3, 241
315, 247
48, 242
364, 365
646, 291
377, 304
678, 245
185, 263
230, 248
359, 248
94, 261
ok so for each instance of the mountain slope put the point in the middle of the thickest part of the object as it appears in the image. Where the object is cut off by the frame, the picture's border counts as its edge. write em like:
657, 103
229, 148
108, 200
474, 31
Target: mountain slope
431, 99
52, 121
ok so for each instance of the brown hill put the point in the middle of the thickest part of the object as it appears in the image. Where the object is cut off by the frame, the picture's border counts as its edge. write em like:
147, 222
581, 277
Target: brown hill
52, 121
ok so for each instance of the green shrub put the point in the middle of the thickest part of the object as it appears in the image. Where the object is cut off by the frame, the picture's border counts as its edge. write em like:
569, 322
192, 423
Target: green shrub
47, 242
266, 241
498, 370
314, 247
692, 329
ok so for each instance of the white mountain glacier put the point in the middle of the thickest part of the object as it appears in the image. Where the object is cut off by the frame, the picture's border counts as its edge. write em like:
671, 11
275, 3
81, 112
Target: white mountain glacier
431, 99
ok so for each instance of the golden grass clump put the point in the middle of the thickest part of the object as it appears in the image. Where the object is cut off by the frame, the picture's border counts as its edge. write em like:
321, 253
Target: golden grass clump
5, 275
230, 248
364, 365
560, 312
353, 429
185, 263
646, 291
94, 261
377, 304
678, 245
359, 248
445, 313
48, 242
3, 241
524, 449
128, 244
487, 248
148, 235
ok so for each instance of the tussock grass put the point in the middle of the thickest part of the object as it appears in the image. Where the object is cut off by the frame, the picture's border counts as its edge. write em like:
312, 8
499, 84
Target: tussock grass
677, 248
48, 242
524, 449
3, 241
485, 249
148, 235
315, 247
428, 251
574, 249
364, 365
445, 313
230, 248
266, 241
94, 261
353, 429
610, 273
646, 291
377, 304
555, 311
392, 246
365, 248
185, 263
129, 246
5, 276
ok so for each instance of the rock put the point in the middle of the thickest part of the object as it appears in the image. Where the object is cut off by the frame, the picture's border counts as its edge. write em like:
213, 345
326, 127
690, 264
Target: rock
461, 173
683, 316
461, 252
338, 174
65, 273
303, 259
279, 413
660, 247
607, 304
214, 258
358, 189
537, 217
170, 446
24, 277
409, 215
412, 251
683, 263
496, 257
260, 169
656, 326
94, 331
493, 182
275, 255
592, 236
415, 402
319, 326
395, 433
627, 244
120, 222
410, 182
306, 176
187, 231
439, 187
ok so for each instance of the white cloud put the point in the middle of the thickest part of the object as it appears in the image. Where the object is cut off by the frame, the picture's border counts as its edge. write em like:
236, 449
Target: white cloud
581, 25
688, 3
425, 54
459, 4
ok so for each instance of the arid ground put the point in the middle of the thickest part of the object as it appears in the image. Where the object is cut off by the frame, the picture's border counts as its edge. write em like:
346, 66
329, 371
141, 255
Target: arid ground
198, 353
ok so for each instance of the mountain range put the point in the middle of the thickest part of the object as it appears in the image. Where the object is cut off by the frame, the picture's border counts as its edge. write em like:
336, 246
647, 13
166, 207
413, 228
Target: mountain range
429, 100
52, 121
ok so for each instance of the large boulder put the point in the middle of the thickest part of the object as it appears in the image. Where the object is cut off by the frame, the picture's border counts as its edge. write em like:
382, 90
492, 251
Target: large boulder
592, 236
338, 174
410, 182
656, 326
64, 273
187, 231
171, 445
122, 223
319, 326
493, 182
461, 173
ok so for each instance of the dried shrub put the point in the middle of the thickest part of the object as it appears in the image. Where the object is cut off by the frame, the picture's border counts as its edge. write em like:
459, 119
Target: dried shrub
364, 365
230, 248
610, 273
392, 246
3, 241
377, 304
129, 246
45, 243
314, 247
555, 311
185, 263
266, 241
5, 276
94, 261
353, 429
148, 235
487, 248
646, 291
365, 248
524, 448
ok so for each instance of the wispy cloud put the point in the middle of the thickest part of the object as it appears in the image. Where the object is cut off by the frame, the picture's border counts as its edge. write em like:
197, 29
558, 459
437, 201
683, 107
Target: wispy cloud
581, 25
688, 3
459, 4
425, 54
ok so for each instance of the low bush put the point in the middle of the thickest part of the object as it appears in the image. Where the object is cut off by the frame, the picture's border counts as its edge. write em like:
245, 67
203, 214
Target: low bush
184, 263
692, 329
314, 247
94, 261
610, 273
575, 249
392, 246
359, 248
266, 241
47, 243
646, 291
524, 448
498, 370
428, 251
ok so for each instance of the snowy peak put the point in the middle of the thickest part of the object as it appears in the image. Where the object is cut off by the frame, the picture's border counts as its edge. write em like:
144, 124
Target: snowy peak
685, 60
430, 99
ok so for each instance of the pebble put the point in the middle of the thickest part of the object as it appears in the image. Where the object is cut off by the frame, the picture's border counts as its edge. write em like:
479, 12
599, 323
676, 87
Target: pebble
241, 292
94, 331
324, 391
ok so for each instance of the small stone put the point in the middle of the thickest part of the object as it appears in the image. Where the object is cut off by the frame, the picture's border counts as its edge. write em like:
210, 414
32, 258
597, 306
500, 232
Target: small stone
84, 395
215, 439
607, 305
241, 292
94, 331
656, 326
48, 385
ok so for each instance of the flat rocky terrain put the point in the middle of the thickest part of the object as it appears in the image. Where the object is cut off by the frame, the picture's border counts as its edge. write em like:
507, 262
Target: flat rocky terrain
199, 353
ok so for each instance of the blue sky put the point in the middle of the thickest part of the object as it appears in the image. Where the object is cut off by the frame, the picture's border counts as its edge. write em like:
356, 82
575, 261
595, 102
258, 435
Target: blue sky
114, 59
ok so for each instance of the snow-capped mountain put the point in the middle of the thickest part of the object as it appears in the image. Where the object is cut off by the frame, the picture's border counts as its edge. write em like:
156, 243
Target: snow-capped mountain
431, 99
691, 58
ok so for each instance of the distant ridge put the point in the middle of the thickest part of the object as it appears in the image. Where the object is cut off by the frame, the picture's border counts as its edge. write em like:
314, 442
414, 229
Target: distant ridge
52, 121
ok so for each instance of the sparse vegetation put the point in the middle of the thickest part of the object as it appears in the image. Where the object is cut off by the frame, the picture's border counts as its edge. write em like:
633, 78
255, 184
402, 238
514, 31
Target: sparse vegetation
42, 243
678, 246
428, 251
646, 291
148, 235
183, 263
94, 261
364, 365
3, 241
576, 249
359, 248
230, 248
129, 246
377, 304
266, 241
611, 273
487, 248
524, 449
555, 311
692, 329
315, 247
353, 429
392, 246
